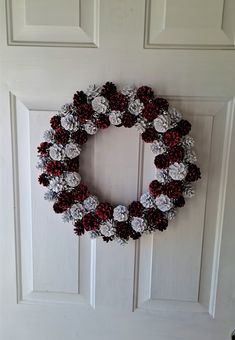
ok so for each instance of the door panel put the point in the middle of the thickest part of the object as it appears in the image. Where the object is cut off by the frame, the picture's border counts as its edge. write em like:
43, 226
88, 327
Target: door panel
182, 264
177, 254
52, 242
192, 24
72, 23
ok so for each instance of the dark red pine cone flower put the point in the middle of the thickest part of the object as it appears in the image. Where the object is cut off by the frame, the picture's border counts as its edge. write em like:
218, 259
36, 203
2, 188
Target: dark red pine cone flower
102, 122
155, 188
54, 168
135, 209
161, 161
108, 239
171, 137
149, 135
80, 193
176, 154
135, 235
154, 216
162, 225
65, 200
161, 104
78, 228
120, 125
128, 120
43, 148
108, 89
80, 137
184, 127
173, 189
145, 93
90, 222
44, 180
149, 111
55, 122
118, 102
193, 174
104, 211
57, 208
84, 112
72, 164
179, 202
123, 230
61, 136
79, 98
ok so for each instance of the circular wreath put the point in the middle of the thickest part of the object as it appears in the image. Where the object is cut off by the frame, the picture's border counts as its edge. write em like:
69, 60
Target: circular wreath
159, 125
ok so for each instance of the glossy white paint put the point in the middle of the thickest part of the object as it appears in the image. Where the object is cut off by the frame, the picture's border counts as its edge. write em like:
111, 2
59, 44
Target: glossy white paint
72, 23
190, 24
173, 285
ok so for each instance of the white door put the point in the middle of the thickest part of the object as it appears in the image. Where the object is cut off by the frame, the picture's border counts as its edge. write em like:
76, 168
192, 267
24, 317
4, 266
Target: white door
179, 284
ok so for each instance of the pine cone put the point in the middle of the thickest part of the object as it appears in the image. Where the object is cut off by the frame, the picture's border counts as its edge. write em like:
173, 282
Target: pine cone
145, 93
162, 225
58, 209
80, 137
90, 222
61, 136
171, 137
123, 230
43, 148
104, 210
54, 168
79, 98
161, 104
118, 102
154, 216
184, 127
85, 112
79, 228
65, 200
80, 193
149, 135
102, 121
128, 120
149, 111
135, 209
176, 154
55, 122
193, 174
173, 189
155, 188
108, 89
72, 164
44, 180
179, 202
161, 161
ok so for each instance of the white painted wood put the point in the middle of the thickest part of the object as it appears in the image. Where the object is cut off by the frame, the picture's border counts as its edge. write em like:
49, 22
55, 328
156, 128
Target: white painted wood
20, 122
213, 192
52, 240
177, 253
72, 23
198, 278
54, 286
221, 203
113, 177
40, 239
225, 300
49, 13
194, 24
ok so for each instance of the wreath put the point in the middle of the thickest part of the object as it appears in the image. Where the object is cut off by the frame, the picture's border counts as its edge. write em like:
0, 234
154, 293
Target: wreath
159, 124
